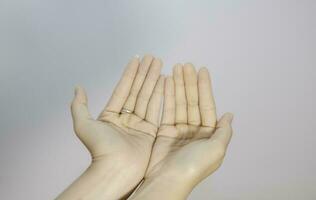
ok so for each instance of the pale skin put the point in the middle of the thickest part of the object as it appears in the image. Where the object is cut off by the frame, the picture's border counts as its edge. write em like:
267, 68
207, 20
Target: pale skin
190, 144
119, 144
126, 148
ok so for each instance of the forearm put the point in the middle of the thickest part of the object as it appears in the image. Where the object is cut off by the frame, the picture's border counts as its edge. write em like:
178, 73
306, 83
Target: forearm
163, 187
100, 181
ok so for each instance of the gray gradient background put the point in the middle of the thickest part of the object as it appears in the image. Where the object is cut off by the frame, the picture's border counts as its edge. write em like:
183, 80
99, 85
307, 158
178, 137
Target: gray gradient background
261, 55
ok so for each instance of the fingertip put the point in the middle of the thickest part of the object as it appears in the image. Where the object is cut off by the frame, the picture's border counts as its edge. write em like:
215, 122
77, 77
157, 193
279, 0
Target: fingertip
204, 74
157, 62
80, 94
78, 90
148, 57
131, 67
178, 72
188, 69
177, 68
77, 96
169, 84
146, 61
227, 118
188, 66
135, 58
203, 69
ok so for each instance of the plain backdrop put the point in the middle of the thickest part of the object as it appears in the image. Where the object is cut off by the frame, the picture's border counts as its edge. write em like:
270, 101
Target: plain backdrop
261, 55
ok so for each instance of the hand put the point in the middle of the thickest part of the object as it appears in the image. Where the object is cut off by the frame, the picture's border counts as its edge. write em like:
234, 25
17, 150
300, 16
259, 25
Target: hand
120, 143
189, 145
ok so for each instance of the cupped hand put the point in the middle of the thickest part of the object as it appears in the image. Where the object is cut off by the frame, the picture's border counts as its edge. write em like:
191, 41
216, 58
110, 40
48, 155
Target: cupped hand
190, 144
123, 135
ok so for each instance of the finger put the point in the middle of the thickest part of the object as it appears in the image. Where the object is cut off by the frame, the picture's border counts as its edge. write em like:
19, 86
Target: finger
147, 88
206, 99
138, 82
154, 105
79, 107
122, 89
169, 107
181, 103
191, 91
223, 131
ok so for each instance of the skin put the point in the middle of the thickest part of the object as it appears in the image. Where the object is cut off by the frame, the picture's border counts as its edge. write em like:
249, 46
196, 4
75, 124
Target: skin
170, 159
120, 144
190, 145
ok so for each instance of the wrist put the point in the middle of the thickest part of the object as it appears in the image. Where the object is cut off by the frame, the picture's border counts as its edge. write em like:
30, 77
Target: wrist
164, 186
102, 180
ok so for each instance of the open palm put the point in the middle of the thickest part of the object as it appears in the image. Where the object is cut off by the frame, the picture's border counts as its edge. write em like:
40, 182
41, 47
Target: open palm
190, 144
123, 140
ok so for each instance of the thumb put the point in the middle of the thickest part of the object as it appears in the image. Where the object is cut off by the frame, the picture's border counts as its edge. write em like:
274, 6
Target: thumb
225, 120
224, 130
79, 107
